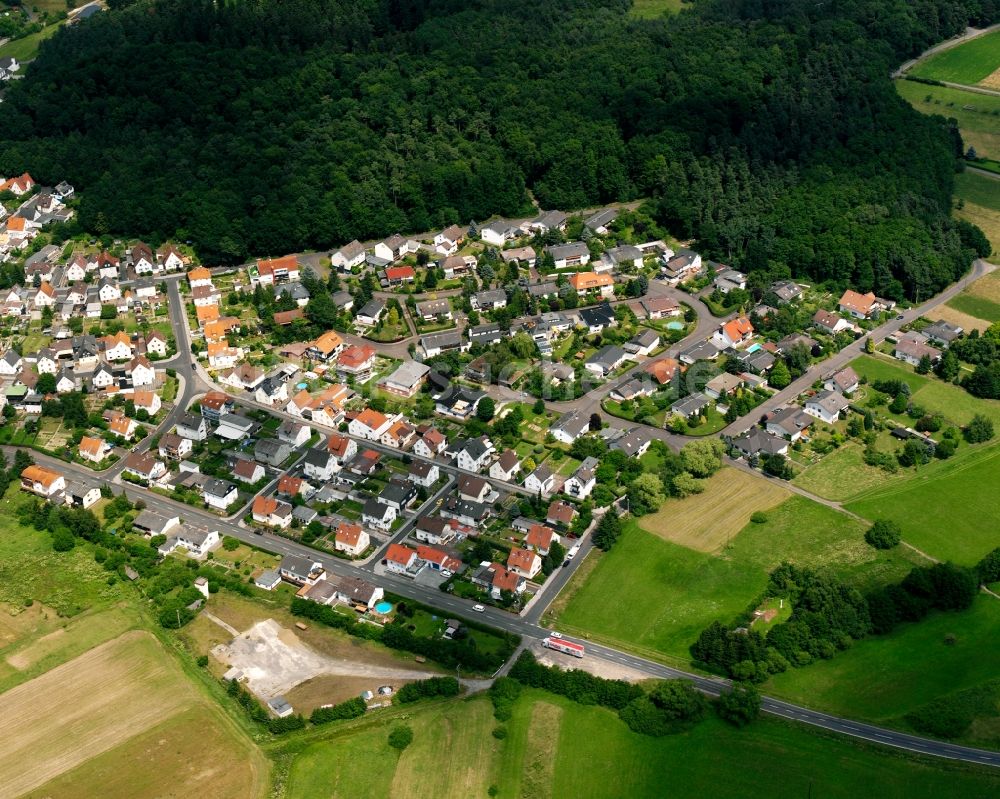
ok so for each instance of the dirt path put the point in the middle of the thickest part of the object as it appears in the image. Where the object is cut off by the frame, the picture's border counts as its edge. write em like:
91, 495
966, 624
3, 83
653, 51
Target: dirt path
227, 627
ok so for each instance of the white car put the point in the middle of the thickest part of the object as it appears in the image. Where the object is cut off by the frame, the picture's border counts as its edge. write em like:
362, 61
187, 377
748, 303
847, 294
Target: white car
554, 634
479, 608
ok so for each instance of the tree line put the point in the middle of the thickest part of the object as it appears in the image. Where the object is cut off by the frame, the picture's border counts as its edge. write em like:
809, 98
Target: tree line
256, 129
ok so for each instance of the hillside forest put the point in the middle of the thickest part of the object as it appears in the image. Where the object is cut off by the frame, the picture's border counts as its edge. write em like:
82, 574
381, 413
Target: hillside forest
767, 131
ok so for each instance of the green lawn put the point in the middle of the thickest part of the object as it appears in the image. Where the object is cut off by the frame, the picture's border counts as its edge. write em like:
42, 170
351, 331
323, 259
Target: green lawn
956, 404
883, 678
974, 112
554, 748
843, 473
25, 49
949, 509
656, 597
967, 63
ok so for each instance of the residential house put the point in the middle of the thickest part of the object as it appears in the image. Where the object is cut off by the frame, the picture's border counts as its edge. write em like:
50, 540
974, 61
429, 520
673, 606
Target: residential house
624, 255
438, 560
145, 466
341, 447
234, 427
400, 559
845, 381
174, 447
660, 307
581, 483
293, 433
351, 539
634, 443
570, 426
473, 488
457, 265
449, 240
291, 486
541, 481
786, 291
434, 530
437, 343
406, 380
584, 282
548, 220
348, 256
247, 471
398, 275
723, 385
756, 442
198, 541
215, 405
117, 347
272, 390
524, 562
42, 481
458, 402
356, 361
94, 449
643, 343
598, 222
560, 514
662, 370
170, 258
474, 454
192, 427
222, 356
734, 333
597, 318
271, 451
941, 332
681, 266
499, 232
830, 322
272, 271
243, 377
826, 405
506, 466
326, 347
471, 514
370, 424
377, 514
569, 256
913, 348
272, 512
370, 313
489, 300
730, 280
395, 247
120, 425
789, 423
540, 538
199, 277
862, 306
606, 360
141, 371
691, 406
434, 310
300, 570
431, 443
320, 465
423, 473
148, 401
399, 435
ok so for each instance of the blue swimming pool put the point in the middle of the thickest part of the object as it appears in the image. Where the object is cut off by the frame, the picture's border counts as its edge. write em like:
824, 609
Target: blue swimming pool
383, 607
675, 325
753, 347
301, 386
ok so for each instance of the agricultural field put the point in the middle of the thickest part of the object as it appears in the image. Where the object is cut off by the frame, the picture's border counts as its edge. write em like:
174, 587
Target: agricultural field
100, 701
556, 748
883, 678
978, 115
708, 521
980, 196
971, 62
949, 509
654, 596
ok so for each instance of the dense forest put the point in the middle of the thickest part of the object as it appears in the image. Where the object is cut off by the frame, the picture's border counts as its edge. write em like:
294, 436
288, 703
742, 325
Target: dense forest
766, 130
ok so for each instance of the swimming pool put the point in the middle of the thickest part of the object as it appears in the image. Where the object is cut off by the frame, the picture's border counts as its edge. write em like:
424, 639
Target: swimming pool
383, 607
301, 386
675, 325
753, 347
